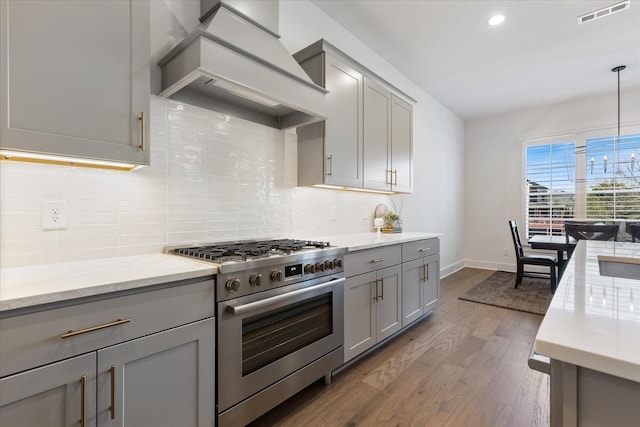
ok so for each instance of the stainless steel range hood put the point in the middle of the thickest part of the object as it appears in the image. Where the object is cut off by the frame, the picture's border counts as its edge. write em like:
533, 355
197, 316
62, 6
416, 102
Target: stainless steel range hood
234, 63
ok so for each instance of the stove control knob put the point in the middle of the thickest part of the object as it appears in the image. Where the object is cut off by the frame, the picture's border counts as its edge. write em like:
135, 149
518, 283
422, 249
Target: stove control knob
337, 263
319, 266
255, 279
328, 265
309, 268
276, 276
232, 284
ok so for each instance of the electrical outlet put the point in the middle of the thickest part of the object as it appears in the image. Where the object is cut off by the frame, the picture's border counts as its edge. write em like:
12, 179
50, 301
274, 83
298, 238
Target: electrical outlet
54, 215
505, 252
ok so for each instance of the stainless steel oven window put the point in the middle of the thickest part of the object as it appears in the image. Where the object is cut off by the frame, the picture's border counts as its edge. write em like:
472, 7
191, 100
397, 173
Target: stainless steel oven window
270, 336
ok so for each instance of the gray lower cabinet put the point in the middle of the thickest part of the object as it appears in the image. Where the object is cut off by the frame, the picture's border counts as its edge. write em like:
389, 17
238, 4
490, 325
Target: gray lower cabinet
420, 287
167, 379
75, 78
373, 309
55, 395
141, 358
420, 278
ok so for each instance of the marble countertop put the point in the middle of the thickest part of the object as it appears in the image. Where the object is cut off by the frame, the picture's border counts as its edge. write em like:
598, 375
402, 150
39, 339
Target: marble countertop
42, 284
594, 320
361, 241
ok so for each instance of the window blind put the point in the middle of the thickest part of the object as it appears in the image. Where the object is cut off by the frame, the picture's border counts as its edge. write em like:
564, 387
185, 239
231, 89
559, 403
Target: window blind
550, 187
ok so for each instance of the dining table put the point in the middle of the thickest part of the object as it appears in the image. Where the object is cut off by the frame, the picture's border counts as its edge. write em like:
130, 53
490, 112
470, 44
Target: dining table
561, 244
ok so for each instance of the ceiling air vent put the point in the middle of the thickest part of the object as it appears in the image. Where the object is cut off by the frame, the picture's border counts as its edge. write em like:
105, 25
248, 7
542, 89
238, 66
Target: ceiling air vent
604, 12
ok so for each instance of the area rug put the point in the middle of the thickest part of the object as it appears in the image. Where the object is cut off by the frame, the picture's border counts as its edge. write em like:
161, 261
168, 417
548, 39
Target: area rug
532, 296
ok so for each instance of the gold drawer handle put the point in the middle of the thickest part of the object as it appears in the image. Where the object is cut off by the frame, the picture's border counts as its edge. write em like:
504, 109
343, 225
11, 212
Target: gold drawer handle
424, 249
95, 328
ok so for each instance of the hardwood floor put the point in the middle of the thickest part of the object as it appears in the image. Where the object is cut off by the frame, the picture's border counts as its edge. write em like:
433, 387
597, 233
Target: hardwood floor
466, 365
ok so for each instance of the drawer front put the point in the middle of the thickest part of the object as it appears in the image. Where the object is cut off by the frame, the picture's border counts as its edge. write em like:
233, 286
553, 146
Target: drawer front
34, 339
420, 249
370, 260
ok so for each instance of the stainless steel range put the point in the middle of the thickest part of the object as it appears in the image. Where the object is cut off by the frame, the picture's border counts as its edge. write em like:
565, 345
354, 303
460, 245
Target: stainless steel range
279, 321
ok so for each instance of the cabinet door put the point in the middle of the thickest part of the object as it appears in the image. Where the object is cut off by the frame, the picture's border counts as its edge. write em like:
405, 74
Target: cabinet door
413, 275
377, 128
343, 130
164, 379
401, 144
431, 285
51, 395
75, 78
389, 302
359, 314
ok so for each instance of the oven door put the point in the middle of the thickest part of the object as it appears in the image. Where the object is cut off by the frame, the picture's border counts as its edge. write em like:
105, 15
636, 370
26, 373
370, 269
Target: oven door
263, 338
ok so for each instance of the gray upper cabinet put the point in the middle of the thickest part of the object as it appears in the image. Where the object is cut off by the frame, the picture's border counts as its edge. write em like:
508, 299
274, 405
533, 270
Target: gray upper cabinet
75, 78
330, 152
388, 140
367, 140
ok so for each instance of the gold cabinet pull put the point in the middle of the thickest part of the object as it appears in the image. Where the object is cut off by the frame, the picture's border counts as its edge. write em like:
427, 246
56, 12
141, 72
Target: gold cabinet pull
395, 172
382, 288
141, 118
375, 298
388, 176
95, 328
377, 260
424, 274
112, 370
427, 272
83, 387
330, 158
424, 249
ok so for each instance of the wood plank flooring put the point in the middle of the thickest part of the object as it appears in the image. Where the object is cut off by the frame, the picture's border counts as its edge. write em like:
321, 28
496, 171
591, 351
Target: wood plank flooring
466, 365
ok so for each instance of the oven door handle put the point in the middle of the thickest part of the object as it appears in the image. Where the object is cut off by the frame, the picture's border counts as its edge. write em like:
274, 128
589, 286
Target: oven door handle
256, 305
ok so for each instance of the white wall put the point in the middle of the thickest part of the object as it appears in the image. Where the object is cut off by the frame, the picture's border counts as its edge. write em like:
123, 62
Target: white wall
216, 178
492, 164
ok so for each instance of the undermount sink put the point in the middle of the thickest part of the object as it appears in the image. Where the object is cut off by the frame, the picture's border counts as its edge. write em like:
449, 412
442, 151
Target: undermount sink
622, 267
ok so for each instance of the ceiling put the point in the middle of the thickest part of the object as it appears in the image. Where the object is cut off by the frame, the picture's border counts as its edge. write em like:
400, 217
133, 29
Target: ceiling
539, 55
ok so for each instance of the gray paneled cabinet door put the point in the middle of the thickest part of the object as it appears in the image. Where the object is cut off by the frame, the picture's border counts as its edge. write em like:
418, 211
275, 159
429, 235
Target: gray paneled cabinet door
421, 287
343, 130
359, 314
389, 302
75, 78
431, 285
51, 395
164, 379
412, 290
401, 145
377, 134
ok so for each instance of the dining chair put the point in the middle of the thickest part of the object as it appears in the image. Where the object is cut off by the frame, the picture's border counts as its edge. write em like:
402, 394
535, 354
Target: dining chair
634, 230
532, 259
589, 231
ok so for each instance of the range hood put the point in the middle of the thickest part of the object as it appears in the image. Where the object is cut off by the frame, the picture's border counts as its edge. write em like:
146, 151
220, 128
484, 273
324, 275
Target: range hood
234, 63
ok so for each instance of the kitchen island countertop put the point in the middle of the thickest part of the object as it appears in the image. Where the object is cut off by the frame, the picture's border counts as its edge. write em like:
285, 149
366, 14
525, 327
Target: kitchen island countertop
23, 287
594, 320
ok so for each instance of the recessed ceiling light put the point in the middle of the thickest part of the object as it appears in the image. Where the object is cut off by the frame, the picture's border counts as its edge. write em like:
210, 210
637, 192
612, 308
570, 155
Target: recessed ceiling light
496, 20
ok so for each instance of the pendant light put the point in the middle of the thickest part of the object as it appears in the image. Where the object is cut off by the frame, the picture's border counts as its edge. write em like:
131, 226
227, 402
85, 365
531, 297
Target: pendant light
616, 70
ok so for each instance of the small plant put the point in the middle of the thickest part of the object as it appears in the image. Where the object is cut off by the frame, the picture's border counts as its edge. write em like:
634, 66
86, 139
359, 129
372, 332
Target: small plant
390, 217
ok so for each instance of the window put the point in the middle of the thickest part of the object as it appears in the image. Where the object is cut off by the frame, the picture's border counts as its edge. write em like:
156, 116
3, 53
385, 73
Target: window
613, 178
590, 176
550, 187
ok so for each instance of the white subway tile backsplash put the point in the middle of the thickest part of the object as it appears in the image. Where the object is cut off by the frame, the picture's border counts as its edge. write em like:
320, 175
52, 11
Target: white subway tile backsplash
212, 178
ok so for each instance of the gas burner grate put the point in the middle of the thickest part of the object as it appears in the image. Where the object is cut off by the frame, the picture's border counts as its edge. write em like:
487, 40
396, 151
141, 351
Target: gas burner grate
243, 251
